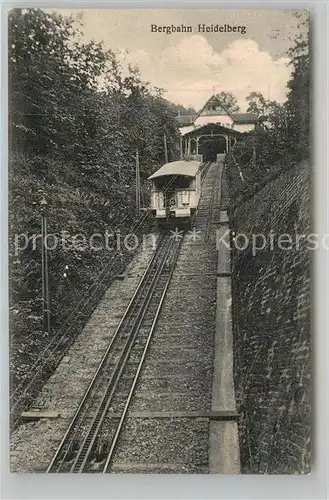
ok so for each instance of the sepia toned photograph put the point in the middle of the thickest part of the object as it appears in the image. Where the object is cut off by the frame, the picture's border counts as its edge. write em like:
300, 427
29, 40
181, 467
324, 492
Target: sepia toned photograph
160, 241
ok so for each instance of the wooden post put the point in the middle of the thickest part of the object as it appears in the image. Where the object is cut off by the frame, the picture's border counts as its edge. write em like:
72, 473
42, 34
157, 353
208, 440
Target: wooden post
181, 146
44, 269
165, 148
138, 187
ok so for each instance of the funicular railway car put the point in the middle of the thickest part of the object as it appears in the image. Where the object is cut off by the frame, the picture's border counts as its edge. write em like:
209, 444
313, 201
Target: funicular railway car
175, 191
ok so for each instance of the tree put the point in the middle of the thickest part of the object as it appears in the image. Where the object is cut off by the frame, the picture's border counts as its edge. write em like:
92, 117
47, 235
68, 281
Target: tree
50, 75
76, 119
283, 137
229, 101
298, 98
257, 104
181, 110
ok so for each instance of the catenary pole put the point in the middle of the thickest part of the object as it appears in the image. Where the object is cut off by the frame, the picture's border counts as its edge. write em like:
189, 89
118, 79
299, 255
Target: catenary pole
44, 270
138, 186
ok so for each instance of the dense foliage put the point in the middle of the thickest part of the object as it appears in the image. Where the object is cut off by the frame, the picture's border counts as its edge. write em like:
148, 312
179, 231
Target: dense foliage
282, 136
299, 87
76, 120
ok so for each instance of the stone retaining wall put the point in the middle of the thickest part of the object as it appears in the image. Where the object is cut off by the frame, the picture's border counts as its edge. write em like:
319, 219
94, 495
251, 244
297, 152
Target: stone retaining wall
271, 326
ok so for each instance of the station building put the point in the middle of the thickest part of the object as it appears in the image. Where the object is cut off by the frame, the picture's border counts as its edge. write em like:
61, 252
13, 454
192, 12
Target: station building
213, 130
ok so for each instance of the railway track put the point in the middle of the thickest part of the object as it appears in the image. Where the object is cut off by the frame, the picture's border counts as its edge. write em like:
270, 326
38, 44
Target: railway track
167, 429
208, 202
91, 438
63, 338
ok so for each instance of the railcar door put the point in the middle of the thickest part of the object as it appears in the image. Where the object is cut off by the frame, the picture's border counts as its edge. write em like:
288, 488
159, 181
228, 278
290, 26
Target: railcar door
169, 200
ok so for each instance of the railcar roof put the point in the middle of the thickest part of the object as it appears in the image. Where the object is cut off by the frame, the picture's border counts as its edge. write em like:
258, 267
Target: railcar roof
181, 167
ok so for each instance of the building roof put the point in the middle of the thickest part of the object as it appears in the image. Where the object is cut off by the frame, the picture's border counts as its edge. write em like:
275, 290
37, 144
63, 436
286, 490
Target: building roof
209, 128
185, 119
181, 167
245, 118
239, 118
214, 99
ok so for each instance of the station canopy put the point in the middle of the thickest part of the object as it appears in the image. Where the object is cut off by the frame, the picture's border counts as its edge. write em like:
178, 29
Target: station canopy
208, 129
181, 167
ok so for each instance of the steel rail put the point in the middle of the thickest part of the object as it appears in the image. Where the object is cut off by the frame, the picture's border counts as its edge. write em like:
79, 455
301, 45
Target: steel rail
83, 302
106, 355
128, 317
140, 366
211, 208
204, 170
61, 337
100, 415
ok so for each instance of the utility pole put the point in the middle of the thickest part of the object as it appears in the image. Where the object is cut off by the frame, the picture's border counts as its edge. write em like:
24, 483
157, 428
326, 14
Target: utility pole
165, 148
44, 270
138, 186
142, 199
254, 154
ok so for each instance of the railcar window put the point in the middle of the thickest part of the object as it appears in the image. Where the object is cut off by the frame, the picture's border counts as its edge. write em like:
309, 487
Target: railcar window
185, 197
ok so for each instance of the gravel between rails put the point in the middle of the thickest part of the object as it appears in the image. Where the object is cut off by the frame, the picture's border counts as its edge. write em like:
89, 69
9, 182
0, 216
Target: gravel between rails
34, 443
179, 441
177, 375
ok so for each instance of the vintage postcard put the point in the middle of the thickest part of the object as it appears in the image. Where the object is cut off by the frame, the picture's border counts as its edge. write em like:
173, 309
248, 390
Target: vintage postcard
160, 241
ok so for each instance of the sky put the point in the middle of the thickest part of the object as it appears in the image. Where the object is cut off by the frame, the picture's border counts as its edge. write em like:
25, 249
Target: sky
191, 66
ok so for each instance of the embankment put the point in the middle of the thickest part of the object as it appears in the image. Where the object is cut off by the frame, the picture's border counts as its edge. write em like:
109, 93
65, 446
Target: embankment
271, 323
